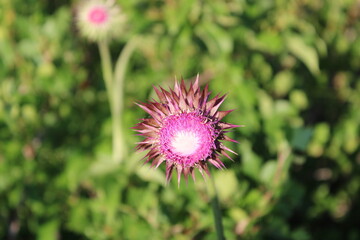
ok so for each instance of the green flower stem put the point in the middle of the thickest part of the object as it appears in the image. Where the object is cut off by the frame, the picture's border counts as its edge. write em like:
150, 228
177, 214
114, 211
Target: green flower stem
108, 76
107, 70
114, 83
216, 209
118, 99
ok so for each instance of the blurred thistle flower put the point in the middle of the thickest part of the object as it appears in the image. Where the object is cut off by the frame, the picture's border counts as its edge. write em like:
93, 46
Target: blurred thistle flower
99, 19
184, 130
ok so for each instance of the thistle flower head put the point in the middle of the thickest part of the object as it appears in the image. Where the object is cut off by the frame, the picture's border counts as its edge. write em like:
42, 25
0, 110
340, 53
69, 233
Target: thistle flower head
184, 130
99, 19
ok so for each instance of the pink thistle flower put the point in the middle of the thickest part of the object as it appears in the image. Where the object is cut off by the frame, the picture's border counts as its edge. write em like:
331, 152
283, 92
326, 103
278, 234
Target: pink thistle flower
185, 130
99, 19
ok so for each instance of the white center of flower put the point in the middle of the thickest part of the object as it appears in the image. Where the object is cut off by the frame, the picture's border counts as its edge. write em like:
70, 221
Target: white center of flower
185, 143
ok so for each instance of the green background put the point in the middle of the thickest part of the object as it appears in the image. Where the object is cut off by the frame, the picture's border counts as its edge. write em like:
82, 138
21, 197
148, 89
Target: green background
291, 70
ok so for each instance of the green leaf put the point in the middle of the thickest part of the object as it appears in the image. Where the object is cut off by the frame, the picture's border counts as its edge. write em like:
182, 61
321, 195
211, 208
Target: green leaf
217, 40
48, 231
250, 161
301, 138
305, 53
283, 82
226, 184
268, 171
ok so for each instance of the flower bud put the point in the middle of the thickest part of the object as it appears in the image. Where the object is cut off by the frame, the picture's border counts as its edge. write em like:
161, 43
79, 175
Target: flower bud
99, 20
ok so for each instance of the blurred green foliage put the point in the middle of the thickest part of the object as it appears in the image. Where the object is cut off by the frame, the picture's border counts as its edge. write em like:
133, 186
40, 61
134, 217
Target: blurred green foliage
291, 71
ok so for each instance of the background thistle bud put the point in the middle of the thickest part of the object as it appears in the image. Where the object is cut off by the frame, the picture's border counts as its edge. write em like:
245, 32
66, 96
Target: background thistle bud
99, 19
